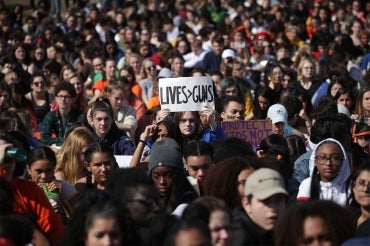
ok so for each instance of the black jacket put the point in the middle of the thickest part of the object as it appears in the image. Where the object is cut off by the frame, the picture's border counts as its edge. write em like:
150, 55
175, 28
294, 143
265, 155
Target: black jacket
246, 232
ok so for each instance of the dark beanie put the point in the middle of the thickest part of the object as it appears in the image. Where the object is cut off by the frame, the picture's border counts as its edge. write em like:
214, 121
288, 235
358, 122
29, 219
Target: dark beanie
165, 152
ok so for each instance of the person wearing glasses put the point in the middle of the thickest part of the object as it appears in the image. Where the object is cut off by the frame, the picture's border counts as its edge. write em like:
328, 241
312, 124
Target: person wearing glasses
39, 98
329, 174
361, 198
56, 123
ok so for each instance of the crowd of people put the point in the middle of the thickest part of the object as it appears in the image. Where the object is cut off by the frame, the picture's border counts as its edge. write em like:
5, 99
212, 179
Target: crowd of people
80, 86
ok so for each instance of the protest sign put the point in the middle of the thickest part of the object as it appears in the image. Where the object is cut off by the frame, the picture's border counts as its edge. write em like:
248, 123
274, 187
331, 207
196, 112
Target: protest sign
186, 93
252, 131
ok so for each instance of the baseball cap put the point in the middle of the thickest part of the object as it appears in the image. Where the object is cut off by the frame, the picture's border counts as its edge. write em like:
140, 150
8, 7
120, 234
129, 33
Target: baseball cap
228, 53
277, 113
264, 183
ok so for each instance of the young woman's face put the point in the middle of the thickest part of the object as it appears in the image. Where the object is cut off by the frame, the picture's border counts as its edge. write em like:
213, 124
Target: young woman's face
187, 123
103, 231
39, 54
116, 99
38, 84
361, 189
345, 100
308, 70
66, 73
77, 84
102, 123
135, 64
177, 66
41, 171
366, 102
20, 53
263, 102
163, 178
100, 165
150, 68
328, 160
335, 88
126, 74
286, 81
182, 47
4, 97
276, 76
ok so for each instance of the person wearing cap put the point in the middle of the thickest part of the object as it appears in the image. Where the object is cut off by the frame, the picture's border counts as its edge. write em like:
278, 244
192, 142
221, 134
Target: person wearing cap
166, 168
278, 114
264, 201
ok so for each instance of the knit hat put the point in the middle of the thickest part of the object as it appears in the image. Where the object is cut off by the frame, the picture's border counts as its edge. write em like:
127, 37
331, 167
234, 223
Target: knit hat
277, 113
264, 183
165, 152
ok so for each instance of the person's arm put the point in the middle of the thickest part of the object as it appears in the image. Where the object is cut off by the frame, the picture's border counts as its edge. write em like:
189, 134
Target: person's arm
144, 137
47, 130
31, 199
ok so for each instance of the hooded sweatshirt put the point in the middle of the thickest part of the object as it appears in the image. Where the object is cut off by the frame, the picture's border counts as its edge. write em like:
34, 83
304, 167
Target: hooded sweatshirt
336, 190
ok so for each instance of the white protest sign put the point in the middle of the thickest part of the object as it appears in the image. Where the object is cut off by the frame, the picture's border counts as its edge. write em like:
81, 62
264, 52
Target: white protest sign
186, 93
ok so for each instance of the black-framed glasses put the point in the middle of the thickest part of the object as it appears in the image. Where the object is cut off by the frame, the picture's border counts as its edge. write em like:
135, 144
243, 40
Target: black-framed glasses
335, 160
362, 185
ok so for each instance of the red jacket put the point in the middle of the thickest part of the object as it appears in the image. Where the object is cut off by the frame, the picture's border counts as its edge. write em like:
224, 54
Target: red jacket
30, 199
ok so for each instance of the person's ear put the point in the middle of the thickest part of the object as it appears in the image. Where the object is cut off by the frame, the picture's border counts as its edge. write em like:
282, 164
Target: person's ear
246, 205
260, 153
87, 166
223, 115
28, 169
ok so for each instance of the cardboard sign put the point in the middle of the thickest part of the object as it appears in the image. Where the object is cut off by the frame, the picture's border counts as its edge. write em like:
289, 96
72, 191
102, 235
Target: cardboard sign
186, 93
252, 131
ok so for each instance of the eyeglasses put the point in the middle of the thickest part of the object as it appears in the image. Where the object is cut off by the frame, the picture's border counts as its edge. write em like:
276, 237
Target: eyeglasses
362, 185
39, 83
151, 67
335, 160
64, 97
277, 74
308, 68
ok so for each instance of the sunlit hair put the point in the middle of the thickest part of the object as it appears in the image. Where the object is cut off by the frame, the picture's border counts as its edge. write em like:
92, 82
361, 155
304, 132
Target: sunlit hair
67, 157
302, 63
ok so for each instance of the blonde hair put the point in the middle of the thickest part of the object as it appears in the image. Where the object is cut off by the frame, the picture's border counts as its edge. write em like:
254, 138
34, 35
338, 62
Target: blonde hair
68, 156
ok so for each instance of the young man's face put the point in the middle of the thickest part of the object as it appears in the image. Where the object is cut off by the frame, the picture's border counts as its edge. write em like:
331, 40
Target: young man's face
198, 166
233, 111
278, 128
265, 213
217, 48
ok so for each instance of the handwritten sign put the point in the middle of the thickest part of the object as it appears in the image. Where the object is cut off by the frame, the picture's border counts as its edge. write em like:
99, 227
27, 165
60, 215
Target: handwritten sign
186, 93
252, 131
